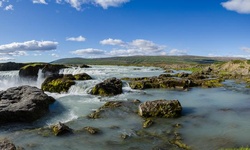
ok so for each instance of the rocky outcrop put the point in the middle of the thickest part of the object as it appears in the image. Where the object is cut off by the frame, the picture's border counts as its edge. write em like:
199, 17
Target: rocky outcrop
11, 66
160, 108
31, 70
108, 87
82, 76
58, 83
23, 104
61, 129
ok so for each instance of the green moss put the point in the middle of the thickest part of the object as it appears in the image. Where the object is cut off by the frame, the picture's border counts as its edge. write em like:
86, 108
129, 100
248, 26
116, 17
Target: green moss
212, 83
147, 123
237, 61
58, 85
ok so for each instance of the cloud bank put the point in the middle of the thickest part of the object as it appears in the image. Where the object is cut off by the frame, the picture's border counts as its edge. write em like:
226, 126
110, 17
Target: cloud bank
88, 51
28, 46
240, 6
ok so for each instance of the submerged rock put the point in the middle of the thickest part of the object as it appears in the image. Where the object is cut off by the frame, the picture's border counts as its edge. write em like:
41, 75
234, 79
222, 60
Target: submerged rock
160, 108
92, 130
23, 104
108, 87
61, 129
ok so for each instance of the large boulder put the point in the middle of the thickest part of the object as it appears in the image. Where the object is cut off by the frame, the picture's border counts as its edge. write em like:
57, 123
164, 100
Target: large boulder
160, 108
23, 104
58, 83
108, 87
31, 70
11, 66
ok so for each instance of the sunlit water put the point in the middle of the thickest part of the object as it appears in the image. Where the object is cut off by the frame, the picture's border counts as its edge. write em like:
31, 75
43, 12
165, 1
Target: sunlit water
211, 119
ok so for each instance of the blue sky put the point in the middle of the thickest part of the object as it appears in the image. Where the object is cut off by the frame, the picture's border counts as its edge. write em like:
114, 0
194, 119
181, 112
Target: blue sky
46, 30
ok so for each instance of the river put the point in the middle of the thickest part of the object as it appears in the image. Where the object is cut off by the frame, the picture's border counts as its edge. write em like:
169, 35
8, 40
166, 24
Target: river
211, 119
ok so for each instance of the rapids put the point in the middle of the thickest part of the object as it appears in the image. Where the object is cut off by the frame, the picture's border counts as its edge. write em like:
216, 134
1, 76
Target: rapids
212, 118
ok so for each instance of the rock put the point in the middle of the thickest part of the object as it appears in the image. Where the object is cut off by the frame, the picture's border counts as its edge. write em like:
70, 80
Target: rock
11, 66
82, 76
5, 144
92, 130
23, 104
108, 87
57, 84
31, 70
160, 108
61, 129
115, 109
147, 123
50, 69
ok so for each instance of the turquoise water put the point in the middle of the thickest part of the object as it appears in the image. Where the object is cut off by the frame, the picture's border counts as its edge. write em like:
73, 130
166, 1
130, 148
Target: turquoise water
211, 119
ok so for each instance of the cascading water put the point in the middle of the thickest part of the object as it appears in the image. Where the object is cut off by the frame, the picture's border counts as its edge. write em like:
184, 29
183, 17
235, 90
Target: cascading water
211, 117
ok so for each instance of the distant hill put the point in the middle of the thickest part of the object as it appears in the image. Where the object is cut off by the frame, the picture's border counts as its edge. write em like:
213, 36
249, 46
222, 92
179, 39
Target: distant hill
145, 60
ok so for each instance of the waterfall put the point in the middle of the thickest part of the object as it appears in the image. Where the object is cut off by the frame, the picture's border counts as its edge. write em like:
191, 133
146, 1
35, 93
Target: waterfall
40, 78
9, 79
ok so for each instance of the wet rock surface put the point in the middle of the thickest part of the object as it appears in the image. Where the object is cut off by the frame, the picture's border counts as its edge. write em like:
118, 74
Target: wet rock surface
108, 87
23, 104
61, 129
58, 83
160, 108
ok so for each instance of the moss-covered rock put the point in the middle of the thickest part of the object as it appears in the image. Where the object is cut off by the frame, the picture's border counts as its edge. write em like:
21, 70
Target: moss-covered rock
108, 87
61, 129
160, 108
147, 123
31, 70
212, 83
92, 130
57, 84
82, 76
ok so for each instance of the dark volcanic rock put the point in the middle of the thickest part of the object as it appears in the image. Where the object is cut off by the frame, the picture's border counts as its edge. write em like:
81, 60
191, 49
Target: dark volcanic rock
23, 104
108, 87
11, 66
160, 108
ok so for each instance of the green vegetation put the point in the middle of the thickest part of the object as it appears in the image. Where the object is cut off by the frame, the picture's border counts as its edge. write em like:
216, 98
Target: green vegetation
144, 60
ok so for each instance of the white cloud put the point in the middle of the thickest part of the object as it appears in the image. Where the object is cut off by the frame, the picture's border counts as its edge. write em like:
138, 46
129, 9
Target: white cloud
6, 58
110, 3
136, 47
88, 51
77, 39
240, 6
77, 4
39, 2
58, 1
112, 42
9, 7
177, 52
55, 55
1, 4
18, 53
28, 46
246, 49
